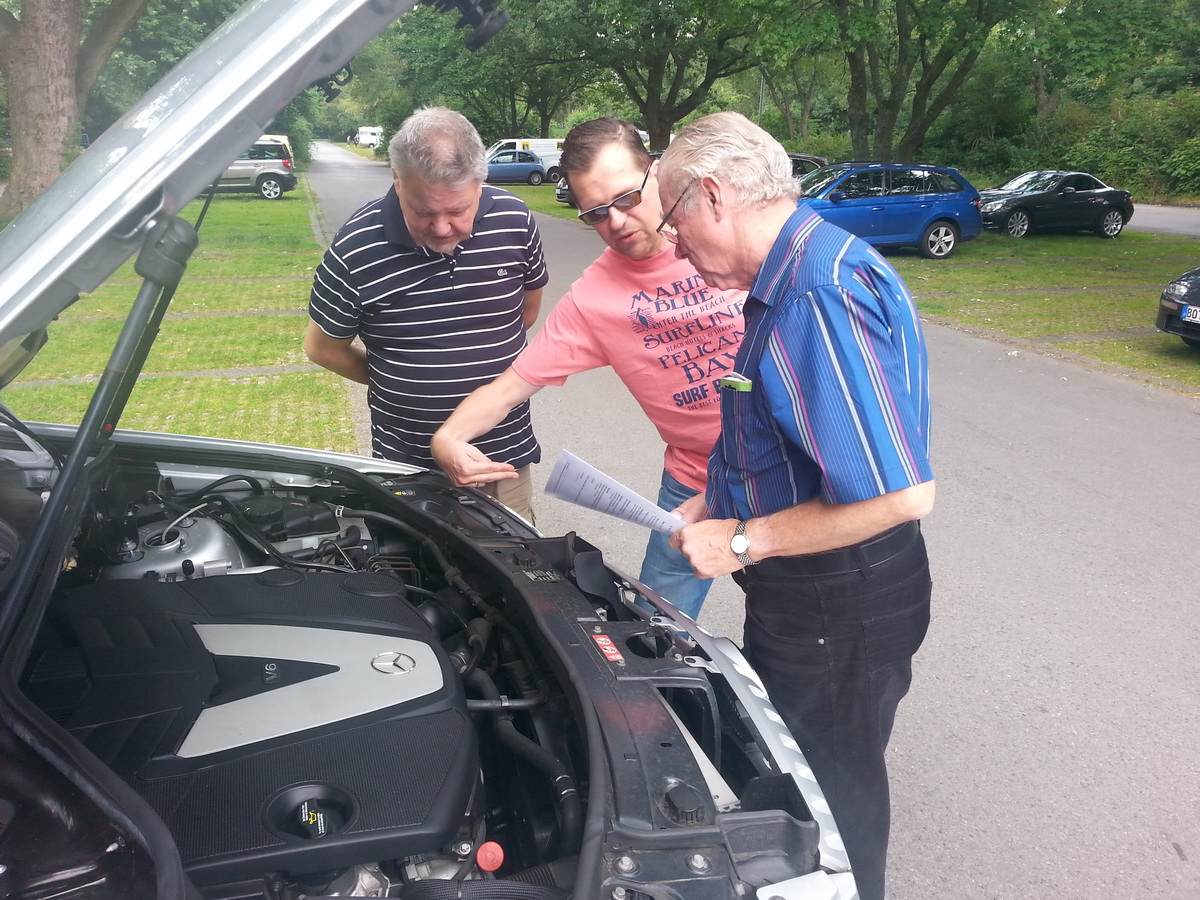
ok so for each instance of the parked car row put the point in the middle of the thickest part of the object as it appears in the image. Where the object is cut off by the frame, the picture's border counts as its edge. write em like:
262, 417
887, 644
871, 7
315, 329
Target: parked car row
935, 208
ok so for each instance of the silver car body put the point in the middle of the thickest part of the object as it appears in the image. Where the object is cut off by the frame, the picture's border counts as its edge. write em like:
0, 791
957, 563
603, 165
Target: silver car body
121, 196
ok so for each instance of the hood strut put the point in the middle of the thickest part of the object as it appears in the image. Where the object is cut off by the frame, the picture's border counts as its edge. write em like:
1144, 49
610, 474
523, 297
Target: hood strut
163, 257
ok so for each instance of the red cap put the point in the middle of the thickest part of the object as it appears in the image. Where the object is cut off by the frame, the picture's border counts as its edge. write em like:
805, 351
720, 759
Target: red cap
489, 856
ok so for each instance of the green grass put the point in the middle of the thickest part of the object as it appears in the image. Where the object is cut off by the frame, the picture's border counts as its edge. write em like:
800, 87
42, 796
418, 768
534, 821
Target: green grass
78, 349
308, 409
541, 199
240, 307
1158, 355
205, 296
1095, 299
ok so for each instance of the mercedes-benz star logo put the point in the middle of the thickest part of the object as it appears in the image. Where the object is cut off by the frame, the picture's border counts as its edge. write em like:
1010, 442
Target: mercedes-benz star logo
394, 663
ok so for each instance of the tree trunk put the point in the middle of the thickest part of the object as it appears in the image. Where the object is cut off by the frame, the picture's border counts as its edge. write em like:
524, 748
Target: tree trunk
856, 105
1046, 101
38, 62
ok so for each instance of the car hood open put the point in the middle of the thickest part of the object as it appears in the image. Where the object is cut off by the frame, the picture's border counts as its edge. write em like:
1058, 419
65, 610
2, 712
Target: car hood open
165, 150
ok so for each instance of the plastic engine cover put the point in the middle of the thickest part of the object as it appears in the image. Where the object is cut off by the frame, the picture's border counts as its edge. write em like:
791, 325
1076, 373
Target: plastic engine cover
276, 721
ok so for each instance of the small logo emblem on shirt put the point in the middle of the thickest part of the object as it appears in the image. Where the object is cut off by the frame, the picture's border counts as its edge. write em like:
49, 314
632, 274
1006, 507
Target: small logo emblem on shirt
502, 272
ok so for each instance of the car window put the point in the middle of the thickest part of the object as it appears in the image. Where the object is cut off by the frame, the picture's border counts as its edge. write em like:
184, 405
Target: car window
525, 157
1032, 181
914, 181
506, 157
814, 183
1084, 183
864, 184
947, 183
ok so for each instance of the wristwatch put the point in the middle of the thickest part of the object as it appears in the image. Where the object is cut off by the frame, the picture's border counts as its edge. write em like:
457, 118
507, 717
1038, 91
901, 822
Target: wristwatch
740, 544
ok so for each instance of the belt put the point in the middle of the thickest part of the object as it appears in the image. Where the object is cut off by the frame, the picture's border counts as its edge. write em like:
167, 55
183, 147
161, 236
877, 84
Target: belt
858, 557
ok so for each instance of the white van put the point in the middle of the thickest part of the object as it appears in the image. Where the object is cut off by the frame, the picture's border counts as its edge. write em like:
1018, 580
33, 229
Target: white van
549, 149
369, 136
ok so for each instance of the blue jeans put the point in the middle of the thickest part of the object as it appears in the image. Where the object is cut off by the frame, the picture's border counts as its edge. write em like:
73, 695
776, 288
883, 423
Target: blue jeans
835, 654
667, 571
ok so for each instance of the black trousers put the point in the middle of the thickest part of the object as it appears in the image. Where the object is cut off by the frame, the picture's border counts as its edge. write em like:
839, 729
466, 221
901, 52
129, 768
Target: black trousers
835, 653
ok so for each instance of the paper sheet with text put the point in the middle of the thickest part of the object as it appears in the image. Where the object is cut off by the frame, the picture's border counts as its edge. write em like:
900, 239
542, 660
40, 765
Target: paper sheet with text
577, 482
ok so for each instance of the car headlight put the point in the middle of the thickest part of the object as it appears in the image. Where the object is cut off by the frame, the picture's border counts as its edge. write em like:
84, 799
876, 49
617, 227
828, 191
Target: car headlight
1176, 290
991, 206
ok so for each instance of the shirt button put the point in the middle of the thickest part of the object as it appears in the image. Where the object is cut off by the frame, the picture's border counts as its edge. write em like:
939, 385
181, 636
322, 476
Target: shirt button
820, 640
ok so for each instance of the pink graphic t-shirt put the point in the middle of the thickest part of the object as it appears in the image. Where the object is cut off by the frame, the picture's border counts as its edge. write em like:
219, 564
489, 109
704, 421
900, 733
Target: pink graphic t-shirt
667, 335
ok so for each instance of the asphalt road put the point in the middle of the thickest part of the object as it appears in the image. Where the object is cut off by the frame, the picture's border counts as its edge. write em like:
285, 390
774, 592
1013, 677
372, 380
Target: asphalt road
1050, 746
1165, 219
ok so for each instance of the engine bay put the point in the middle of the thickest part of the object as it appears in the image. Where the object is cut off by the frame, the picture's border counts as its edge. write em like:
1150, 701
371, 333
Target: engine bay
333, 683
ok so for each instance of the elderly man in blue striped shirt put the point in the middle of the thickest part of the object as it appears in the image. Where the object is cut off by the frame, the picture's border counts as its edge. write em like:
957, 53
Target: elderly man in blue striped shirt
821, 471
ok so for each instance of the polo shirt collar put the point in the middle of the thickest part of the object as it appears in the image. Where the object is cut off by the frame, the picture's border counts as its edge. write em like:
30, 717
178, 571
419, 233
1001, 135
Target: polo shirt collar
395, 229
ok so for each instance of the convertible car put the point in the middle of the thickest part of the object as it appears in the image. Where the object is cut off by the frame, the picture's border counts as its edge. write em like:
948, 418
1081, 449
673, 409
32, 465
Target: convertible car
237, 670
1063, 201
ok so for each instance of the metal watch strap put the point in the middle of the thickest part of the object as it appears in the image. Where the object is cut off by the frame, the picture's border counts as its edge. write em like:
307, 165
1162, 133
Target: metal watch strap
744, 556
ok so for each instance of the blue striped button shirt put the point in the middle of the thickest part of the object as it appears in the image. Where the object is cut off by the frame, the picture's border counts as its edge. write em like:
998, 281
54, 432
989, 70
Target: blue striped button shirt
839, 400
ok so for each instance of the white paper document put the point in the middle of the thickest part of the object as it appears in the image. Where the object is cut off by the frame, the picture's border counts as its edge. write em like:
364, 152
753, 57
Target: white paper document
577, 482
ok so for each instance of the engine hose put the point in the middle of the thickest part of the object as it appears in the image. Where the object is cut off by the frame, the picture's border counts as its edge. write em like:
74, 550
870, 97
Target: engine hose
489, 889
503, 703
452, 574
566, 797
254, 484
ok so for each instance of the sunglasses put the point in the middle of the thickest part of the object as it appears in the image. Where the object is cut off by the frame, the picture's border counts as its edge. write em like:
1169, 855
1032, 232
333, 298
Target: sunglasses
626, 201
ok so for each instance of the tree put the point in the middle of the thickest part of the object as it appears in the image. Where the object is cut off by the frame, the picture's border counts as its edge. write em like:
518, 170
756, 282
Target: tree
666, 54
50, 56
906, 59
163, 35
518, 84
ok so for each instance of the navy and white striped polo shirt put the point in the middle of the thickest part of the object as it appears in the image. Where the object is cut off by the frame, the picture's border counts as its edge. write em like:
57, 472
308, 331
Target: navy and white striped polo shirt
839, 402
436, 327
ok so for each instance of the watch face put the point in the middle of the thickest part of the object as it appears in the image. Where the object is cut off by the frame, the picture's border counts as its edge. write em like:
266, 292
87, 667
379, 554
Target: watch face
739, 544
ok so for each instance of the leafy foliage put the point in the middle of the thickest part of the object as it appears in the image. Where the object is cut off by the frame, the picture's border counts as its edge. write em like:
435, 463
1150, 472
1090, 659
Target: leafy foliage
166, 32
667, 55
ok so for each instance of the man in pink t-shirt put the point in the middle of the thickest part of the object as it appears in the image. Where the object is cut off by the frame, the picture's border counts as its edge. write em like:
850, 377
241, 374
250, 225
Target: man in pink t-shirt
642, 311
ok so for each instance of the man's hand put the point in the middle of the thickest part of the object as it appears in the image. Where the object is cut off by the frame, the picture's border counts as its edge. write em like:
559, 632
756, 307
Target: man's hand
693, 509
465, 465
706, 545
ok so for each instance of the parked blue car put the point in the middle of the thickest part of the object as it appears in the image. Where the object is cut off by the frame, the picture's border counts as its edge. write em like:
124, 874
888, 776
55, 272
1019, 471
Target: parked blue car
520, 166
892, 204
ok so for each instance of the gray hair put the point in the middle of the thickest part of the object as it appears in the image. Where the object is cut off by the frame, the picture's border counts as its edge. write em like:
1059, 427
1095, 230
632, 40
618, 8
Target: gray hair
731, 147
440, 146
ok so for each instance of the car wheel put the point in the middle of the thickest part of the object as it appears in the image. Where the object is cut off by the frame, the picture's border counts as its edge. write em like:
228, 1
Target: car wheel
1111, 223
554, 175
536, 178
1017, 224
938, 241
270, 188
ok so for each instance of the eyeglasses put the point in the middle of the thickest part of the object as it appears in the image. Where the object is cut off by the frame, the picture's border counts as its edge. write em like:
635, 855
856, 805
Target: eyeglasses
626, 201
663, 228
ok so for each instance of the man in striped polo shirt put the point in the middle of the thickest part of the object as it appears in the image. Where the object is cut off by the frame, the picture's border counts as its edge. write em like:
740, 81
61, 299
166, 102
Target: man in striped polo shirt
822, 467
439, 279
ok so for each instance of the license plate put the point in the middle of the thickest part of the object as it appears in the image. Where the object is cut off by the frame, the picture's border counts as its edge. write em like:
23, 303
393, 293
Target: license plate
1190, 314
